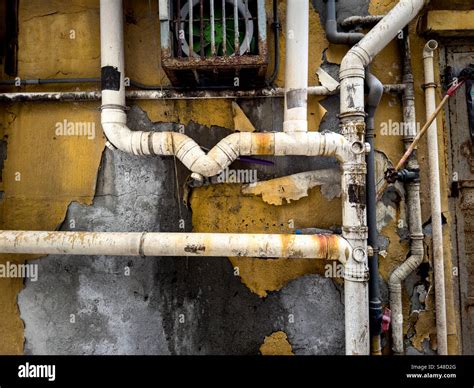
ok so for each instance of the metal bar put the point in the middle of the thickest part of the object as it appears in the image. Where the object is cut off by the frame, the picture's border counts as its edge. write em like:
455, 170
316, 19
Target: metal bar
180, 42
213, 28
224, 32
236, 29
46, 81
246, 18
169, 94
201, 34
190, 30
315, 90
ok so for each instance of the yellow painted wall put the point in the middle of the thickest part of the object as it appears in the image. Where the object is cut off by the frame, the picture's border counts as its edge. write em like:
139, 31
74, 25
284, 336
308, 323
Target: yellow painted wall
58, 170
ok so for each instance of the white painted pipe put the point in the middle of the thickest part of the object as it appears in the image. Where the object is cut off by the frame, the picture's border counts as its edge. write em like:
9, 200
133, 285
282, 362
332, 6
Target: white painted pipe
296, 66
112, 53
227, 150
407, 267
328, 247
435, 196
352, 114
361, 55
385, 30
187, 150
415, 225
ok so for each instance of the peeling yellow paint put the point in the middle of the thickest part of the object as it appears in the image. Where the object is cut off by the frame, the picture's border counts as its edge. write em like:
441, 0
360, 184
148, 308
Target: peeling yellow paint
222, 208
293, 187
380, 7
276, 344
336, 52
44, 172
425, 329
241, 121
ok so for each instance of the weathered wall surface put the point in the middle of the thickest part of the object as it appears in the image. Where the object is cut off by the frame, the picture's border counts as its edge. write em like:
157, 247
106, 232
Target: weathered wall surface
84, 305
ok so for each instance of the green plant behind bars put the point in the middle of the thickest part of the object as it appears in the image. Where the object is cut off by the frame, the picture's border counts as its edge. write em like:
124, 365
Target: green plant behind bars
218, 33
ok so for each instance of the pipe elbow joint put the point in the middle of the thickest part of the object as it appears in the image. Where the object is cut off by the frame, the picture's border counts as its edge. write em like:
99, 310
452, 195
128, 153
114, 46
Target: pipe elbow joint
119, 135
395, 280
206, 166
114, 126
344, 150
193, 157
345, 253
354, 63
336, 37
429, 49
400, 273
375, 89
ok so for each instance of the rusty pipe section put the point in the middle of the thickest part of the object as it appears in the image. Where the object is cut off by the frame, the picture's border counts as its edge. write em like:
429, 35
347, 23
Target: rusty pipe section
327, 247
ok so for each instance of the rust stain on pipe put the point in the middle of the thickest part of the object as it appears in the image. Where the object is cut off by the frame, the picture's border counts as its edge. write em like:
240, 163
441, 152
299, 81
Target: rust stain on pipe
264, 144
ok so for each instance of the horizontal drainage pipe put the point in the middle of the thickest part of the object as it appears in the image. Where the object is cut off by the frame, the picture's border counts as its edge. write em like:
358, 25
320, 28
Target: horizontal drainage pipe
227, 150
329, 247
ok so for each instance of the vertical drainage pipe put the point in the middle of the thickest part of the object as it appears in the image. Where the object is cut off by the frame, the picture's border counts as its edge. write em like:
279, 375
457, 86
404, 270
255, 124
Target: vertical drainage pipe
435, 196
296, 66
375, 94
352, 118
375, 305
413, 205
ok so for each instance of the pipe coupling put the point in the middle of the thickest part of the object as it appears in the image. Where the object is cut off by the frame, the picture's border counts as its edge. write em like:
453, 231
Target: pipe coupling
357, 233
395, 287
356, 272
354, 63
353, 128
417, 236
430, 48
354, 169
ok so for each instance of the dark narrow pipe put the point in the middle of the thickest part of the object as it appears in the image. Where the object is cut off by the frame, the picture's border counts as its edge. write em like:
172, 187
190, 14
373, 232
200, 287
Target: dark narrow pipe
375, 94
276, 32
39, 81
375, 305
138, 85
334, 36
